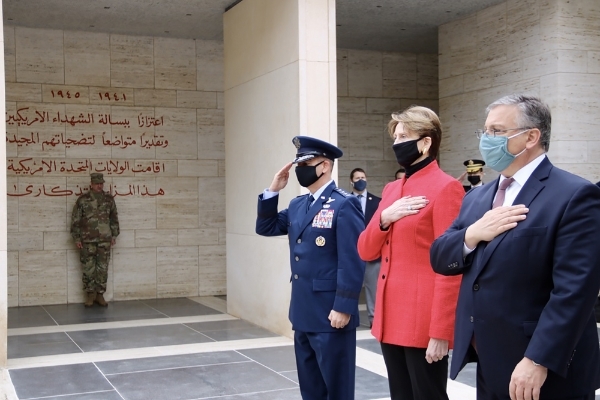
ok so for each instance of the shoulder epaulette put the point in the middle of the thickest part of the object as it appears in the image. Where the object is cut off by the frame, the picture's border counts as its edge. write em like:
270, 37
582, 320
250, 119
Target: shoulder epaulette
342, 192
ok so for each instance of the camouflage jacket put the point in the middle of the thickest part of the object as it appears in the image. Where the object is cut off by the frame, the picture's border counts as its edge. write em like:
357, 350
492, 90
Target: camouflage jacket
94, 218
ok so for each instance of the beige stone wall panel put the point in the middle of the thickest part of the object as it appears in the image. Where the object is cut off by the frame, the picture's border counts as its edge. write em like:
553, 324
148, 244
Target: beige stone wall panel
492, 36
136, 211
42, 213
399, 75
198, 237
458, 47
10, 70
112, 96
211, 192
59, 240
28, 92
382, 106
155, 237
87, 58
142, 135
365, 73
365, 139
209, 66
155, 98
179, 129
198, 168
134, 273
65, 94
427, 76
212, 270
342, 72
131, 61
175, 63
39, 55
177, 271
211, 134
12, 267
21, 241
180, 208
42, 277
195, 99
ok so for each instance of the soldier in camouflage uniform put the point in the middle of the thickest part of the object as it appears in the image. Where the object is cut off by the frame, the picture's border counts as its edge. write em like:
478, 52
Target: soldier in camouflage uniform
94, 227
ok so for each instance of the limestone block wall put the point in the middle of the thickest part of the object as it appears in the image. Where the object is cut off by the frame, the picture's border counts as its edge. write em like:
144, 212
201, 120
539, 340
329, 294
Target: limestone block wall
549, 48
148, 113
372, 85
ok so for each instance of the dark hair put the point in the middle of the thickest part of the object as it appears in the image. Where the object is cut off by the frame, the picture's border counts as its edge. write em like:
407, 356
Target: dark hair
422, 121
355, 170
400, 170
533, 114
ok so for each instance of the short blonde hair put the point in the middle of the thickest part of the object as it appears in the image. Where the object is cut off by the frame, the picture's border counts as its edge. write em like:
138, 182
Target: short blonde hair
422, 121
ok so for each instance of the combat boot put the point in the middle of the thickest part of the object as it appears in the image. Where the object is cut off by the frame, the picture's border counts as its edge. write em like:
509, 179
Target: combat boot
100, 300
89, 299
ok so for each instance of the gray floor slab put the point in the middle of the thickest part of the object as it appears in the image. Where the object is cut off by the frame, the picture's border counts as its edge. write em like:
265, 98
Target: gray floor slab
130, 338
166, 362
277, 358
26, 317
369, 344
58, 380
199, 382
231, 330
180, 307
66, 314
43, 344
104, 395
286, 394
370, 385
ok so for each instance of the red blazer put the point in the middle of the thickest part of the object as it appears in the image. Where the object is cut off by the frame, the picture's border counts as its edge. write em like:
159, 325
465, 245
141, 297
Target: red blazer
413, 303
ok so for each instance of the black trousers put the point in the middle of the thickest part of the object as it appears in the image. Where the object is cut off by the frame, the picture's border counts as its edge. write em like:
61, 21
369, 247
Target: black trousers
411, 377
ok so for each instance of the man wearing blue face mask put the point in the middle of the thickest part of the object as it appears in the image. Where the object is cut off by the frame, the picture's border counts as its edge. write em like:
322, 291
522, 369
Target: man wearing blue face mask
327, 273
369, 203
526, 246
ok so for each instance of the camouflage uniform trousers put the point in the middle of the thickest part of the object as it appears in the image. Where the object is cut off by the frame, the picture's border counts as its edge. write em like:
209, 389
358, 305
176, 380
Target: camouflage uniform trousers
94, 258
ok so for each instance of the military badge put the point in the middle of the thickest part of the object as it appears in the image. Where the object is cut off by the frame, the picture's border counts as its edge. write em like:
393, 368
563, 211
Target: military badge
323, 219
320, 241
297, 143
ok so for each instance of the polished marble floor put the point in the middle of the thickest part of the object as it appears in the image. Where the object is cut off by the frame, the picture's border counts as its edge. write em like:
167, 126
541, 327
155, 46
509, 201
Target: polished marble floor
171, 349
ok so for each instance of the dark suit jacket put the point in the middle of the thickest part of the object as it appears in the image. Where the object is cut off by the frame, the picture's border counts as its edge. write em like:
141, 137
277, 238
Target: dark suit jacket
531, 290
372, 204
327, 273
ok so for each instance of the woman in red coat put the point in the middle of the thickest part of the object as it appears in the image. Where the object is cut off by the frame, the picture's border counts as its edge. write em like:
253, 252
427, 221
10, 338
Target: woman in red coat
414, 307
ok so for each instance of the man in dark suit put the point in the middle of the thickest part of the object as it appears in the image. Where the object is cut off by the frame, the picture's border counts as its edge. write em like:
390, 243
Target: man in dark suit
327, 273
369, 203
527, 248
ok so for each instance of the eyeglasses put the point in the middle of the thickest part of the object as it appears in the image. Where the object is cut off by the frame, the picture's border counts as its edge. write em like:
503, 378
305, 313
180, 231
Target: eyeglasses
494, 132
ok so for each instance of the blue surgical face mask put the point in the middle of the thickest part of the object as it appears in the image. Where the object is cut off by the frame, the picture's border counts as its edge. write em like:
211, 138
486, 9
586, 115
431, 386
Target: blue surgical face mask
360, 185
494, 151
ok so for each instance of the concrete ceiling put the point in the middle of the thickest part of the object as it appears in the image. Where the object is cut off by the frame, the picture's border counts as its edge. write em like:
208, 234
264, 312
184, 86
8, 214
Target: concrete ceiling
386, 25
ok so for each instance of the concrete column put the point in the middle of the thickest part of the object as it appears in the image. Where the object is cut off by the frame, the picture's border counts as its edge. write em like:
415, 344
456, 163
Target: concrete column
549, 48
280, 81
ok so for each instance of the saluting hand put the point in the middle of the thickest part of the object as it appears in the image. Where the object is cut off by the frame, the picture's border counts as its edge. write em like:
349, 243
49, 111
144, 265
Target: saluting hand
494, 223
401, 208
280, 179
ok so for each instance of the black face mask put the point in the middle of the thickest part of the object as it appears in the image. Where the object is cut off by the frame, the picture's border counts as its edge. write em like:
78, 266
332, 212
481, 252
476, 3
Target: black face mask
475, 179
307, 174
360, 185
407, 152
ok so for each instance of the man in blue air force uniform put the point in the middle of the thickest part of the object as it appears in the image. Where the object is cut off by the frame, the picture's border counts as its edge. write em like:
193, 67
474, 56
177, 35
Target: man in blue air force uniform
327, 273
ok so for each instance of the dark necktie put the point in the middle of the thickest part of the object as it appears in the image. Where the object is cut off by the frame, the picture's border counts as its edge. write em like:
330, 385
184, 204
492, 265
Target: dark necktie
501, 193
309, 202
